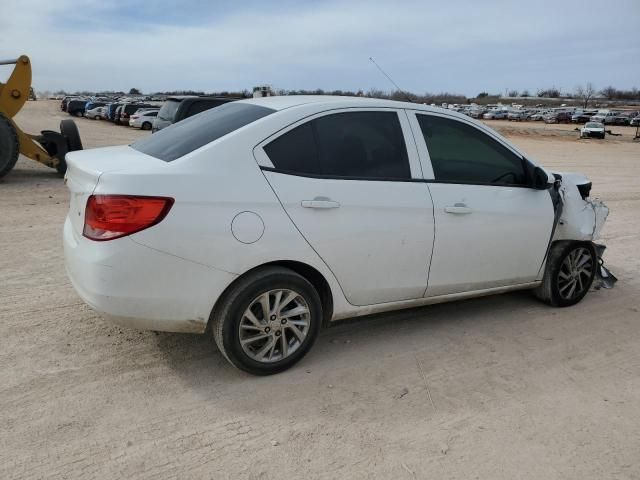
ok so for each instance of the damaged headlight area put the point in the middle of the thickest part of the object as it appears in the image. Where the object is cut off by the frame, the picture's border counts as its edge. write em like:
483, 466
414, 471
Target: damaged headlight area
580, 218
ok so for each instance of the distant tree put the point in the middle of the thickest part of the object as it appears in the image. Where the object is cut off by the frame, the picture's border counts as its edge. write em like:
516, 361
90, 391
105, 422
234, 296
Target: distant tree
134, 91
525, 93
585, 93
482, 95
513, 93
552, 92
609, 92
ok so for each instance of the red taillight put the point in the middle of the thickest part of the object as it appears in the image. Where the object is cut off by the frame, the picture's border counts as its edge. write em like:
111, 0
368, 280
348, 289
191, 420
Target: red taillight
113, 216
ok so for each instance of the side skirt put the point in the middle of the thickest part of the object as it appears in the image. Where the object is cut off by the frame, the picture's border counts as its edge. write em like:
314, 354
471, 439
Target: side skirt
419, 302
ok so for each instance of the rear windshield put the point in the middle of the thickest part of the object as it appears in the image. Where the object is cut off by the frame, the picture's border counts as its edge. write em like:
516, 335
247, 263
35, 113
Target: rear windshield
169, 109
194, 132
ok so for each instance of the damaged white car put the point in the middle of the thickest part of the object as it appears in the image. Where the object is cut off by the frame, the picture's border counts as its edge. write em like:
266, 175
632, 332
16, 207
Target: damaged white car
262, 220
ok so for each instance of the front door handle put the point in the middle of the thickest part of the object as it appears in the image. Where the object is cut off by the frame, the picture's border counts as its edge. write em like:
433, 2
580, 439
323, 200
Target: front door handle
458, 209
320, 202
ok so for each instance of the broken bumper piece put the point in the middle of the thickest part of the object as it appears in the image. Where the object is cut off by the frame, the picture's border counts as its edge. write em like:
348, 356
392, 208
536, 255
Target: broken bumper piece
604, 278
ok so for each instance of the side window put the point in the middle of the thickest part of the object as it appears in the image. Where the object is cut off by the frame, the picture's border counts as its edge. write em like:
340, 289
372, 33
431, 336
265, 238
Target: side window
362, 144
295, 151
353, 144
461, 153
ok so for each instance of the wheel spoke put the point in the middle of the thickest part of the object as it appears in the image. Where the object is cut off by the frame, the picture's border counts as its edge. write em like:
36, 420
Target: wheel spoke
263, 351
583, 261
564, 276
573, 289
253, 339
264, 302
252, 318
297, 332
579, 279
567, 285
287, 300
251, 327
299, 310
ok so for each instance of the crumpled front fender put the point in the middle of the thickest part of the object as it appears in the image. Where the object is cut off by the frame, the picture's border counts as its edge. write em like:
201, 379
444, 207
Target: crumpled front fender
582, 218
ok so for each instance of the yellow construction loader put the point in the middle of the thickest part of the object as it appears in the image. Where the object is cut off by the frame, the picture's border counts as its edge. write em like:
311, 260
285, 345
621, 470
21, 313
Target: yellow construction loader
48, 148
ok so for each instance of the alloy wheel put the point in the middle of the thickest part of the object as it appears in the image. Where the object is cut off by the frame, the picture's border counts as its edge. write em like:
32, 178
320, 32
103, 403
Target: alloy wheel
575, 272
274, 325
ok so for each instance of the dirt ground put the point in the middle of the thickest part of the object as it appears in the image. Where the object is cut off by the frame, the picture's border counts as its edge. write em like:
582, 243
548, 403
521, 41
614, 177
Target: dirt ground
500, 387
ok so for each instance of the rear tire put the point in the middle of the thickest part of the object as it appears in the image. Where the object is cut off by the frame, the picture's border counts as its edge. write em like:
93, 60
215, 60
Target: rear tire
264, 342
146, 126
9, 146
569, 273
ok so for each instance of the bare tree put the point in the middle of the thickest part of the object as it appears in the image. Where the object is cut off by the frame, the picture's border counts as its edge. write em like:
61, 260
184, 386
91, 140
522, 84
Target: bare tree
609, 92
585, 93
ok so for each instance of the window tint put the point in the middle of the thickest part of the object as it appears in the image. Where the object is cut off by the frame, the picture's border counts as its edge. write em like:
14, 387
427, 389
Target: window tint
199, 106
461, 153
355, 144
194, 132
295, 151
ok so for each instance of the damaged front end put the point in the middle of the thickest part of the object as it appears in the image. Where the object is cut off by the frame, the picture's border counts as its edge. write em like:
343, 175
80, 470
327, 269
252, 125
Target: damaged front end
580, 218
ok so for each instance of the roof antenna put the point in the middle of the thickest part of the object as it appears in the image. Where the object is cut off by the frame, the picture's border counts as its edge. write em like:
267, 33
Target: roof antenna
391, 80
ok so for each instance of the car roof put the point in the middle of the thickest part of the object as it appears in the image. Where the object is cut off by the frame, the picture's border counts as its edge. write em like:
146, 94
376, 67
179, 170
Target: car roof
331, 101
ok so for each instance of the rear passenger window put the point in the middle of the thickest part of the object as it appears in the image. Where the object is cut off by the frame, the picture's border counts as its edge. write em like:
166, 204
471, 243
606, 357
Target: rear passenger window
295, 151
350, 145
461, 153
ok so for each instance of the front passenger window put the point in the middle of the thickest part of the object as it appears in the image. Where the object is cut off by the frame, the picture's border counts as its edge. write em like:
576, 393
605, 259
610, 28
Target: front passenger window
461, 153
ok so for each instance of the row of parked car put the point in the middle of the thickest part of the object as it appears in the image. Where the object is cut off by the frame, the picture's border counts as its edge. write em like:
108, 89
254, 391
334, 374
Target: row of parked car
555, 115
146, 116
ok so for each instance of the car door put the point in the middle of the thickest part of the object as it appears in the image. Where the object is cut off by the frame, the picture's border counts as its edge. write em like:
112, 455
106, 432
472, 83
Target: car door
354, 190
491, 228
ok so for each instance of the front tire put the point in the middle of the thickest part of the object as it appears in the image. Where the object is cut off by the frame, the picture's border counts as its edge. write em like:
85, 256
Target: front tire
267, 321
569, 273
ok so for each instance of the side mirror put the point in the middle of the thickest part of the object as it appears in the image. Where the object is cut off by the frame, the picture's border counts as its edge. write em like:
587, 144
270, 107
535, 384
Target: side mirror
541, 179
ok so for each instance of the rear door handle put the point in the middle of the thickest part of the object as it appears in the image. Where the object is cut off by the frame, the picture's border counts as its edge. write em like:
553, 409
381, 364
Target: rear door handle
458, 209
320, 202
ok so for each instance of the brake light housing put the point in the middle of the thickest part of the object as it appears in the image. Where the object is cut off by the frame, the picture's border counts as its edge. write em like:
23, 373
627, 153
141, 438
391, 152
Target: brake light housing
108, 217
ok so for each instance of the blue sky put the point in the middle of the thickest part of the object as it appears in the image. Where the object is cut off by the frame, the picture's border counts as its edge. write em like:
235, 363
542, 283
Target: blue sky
426, 46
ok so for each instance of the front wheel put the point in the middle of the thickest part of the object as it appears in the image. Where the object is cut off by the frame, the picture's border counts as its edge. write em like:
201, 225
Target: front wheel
569, 273
267, 321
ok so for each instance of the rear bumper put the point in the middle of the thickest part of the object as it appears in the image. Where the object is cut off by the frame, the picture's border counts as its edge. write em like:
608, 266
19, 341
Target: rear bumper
138, 287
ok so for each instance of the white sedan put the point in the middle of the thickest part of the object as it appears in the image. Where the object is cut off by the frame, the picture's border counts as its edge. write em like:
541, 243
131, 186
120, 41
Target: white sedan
265, 219
592, 129
143, 119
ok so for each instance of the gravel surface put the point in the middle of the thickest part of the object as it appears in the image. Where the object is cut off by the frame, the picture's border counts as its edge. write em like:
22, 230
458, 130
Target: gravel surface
496, 387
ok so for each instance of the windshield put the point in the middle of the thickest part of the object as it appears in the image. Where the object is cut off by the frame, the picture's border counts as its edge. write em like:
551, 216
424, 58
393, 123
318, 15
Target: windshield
593, 125
194, 132
169, 109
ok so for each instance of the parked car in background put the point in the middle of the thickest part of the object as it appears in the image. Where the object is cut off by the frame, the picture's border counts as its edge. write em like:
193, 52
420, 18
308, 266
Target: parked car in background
538, 116
623, 118
129, 109
260, 221
143, 119
592, 129
178, 108
94, 113
111, 110
495, 115
558, 117
476, 112
91, 104
518, 115
635, 121
116, 114
76, 107
604, 117
65, 101
581, 116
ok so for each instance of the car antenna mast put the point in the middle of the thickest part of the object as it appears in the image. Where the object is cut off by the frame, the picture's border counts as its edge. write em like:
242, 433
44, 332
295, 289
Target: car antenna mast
391, 80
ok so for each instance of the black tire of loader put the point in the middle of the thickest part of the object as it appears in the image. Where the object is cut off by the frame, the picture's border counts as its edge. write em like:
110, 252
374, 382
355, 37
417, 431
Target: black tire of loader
69, 130
9, 146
